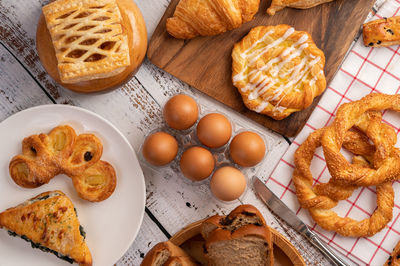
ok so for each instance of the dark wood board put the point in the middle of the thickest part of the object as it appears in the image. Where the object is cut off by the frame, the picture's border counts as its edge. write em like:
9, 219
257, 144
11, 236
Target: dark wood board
205, 62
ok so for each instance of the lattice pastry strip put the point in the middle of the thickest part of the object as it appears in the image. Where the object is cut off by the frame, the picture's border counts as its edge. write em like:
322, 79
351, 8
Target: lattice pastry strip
88, 39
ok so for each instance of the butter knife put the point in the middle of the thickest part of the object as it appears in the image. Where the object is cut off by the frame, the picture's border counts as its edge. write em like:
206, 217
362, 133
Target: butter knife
281, 210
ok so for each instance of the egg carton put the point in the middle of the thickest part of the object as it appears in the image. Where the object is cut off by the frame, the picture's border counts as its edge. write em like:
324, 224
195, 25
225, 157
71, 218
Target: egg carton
188, 138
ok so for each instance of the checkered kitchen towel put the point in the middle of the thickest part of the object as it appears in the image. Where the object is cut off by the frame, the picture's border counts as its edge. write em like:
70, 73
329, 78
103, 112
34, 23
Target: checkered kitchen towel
365, 70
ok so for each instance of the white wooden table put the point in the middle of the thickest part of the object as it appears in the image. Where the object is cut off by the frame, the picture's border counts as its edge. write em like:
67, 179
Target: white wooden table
135, 109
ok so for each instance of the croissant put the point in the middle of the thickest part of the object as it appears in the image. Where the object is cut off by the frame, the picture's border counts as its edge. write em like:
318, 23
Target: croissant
209, 17
277, 5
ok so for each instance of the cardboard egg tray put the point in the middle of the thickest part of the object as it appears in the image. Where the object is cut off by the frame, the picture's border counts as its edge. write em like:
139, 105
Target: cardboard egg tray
188, 138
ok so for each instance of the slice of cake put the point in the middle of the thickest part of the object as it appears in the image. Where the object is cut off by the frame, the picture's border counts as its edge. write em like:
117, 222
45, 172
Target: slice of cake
50, 223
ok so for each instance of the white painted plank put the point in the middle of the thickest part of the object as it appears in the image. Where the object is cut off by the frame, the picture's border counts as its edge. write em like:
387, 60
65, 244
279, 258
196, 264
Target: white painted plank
148, 236
18, 91
152, 11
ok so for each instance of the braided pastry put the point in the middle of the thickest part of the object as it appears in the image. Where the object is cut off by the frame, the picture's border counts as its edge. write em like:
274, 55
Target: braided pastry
63, 152
322, 198
344, 173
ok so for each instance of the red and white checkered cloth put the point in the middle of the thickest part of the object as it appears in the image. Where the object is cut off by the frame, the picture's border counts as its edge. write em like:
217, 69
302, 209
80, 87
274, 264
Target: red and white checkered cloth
365, 70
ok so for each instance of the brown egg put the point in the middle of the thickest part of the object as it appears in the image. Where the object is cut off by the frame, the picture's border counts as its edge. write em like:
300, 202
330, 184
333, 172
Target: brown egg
197, 163
214, 130
247, 149
160, 148
181, 112
228, 183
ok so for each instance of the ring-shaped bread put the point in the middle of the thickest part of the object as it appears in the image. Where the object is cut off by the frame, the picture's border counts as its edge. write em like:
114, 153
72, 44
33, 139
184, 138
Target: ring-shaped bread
278, 70
342, 171
318, 200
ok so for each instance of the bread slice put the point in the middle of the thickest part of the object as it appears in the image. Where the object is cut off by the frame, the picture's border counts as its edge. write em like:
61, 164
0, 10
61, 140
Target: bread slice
240, 216
49, 222
167, 254
241, 238
248, 245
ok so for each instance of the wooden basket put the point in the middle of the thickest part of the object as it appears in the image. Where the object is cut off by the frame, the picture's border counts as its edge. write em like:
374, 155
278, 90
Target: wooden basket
189, 238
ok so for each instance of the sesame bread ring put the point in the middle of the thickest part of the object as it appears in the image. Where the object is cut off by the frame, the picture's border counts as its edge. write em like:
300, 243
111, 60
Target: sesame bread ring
342, 171
319, 205
356, 143
278, 70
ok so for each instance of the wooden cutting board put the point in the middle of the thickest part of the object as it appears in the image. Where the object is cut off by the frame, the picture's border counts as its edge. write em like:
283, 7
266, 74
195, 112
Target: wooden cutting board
205, 62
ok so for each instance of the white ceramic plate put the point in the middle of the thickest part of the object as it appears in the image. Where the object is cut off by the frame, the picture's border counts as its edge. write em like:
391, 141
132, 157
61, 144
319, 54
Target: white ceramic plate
111, 225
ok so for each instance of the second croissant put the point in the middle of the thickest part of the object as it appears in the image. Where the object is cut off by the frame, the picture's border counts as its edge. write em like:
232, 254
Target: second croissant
206, 18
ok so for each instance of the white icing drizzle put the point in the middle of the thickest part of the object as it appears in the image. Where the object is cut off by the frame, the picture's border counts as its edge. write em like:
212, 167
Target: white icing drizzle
254, 56
259, 83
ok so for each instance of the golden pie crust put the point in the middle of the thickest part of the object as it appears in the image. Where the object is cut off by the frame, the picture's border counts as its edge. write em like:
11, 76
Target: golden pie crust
278, 70
88, 39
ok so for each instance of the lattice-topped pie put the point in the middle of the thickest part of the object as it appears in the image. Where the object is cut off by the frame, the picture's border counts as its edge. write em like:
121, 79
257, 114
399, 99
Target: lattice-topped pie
88, 39
278, 70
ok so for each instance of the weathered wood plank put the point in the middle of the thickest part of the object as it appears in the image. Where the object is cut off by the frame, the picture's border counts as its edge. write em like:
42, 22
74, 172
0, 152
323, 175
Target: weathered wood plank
18, 90
148, 236
152, 12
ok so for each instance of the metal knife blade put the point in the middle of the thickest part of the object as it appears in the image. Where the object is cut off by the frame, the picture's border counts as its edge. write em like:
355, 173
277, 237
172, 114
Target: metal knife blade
278, 207
281, 210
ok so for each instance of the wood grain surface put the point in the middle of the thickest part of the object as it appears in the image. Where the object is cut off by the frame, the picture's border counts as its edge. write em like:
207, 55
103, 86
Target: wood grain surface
205, 62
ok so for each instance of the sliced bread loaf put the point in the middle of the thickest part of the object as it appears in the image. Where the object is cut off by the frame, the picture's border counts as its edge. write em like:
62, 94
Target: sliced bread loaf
241, 238
167, 254
248, 245
240, 216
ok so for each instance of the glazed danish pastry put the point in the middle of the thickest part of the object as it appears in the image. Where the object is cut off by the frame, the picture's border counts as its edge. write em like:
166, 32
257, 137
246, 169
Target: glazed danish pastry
278, 70
278, 5
63, 152
88, 39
